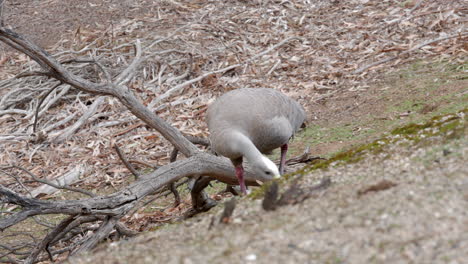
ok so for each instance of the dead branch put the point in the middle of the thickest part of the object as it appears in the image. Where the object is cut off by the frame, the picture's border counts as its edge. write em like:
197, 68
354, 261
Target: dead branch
14, 111
104, 230
36, 116
69, 131
57, 184
110, 208
50, 102
122, 201
126, 163
45, 242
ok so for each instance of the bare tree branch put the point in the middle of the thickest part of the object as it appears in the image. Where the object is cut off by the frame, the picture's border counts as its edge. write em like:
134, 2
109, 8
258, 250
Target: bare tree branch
110, 208
36, 115
64, 135
126, 163
45, 242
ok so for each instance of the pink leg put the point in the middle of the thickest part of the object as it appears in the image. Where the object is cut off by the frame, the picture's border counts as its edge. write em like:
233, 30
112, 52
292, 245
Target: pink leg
284, 149
240, 177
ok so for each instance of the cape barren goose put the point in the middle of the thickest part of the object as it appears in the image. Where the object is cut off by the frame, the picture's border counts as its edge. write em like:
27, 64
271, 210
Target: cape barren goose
245, 123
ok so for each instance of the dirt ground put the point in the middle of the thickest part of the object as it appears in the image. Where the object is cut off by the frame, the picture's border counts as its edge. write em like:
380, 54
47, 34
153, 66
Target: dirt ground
47, 22
421, 219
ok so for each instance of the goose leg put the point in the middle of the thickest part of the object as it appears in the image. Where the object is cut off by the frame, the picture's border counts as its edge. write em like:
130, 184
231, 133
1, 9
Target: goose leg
284, 149
240, 177
240, 173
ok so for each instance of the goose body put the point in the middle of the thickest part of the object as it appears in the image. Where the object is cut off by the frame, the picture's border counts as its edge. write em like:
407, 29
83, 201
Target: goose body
249, 122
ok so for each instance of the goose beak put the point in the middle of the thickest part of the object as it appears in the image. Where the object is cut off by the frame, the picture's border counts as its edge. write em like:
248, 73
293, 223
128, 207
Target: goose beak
277, 176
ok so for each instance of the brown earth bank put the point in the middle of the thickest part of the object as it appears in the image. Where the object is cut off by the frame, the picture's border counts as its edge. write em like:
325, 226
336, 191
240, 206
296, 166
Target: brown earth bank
404, 205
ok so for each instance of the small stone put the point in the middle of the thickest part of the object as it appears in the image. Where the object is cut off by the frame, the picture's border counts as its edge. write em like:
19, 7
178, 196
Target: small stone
251, 257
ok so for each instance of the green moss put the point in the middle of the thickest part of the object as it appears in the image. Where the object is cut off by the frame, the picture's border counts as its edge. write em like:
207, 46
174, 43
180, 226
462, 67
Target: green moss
451, 126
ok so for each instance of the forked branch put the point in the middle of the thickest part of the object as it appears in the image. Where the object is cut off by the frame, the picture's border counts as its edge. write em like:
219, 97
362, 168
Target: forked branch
110, 208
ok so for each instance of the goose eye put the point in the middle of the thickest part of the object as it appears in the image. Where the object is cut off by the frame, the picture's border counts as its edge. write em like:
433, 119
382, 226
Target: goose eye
267, 172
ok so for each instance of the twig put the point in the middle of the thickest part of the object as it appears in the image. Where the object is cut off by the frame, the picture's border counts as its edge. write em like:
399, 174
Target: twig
64, 187
144, 163
60, 123
52, 101
93, 61
36, 115
45, 242
128, 73
72, 129
104, 230
126, 163
167, 37
416, 6
14, 111
183, 75
128, 129
34, 73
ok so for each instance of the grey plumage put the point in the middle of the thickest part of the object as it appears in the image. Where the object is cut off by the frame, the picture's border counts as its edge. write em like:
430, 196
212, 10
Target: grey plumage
247, 122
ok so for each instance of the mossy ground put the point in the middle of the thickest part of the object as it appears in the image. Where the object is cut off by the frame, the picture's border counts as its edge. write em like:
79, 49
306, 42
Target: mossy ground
435, 104
414, 94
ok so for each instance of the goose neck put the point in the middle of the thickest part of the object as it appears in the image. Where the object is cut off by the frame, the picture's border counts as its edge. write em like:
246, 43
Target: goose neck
248, 149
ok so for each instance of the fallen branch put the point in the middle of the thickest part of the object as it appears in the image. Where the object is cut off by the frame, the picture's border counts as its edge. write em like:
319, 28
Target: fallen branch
69, 131
110, 208
126, 163
36, 116
61, 182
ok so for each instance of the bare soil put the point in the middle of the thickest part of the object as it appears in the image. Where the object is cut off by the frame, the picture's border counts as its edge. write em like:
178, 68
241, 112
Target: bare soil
422, 219
48, 22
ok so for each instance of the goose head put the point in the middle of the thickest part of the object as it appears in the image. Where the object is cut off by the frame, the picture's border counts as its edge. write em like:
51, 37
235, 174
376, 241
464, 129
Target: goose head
266, 168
